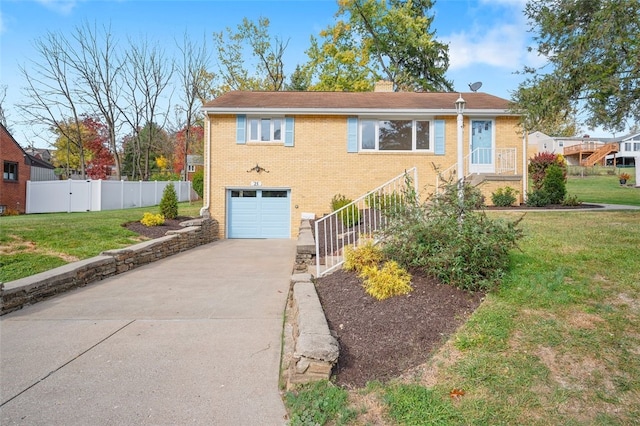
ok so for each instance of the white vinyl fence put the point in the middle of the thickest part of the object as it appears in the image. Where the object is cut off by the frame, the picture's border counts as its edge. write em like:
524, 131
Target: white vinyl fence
96, 195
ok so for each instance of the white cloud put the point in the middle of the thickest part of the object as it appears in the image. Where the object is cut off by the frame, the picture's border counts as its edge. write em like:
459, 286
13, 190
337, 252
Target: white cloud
63, 7
503, 46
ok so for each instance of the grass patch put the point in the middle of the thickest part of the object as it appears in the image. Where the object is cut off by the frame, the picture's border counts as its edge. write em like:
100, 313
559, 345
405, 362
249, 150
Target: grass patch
604, 189
318, 404
38, 242
16, 266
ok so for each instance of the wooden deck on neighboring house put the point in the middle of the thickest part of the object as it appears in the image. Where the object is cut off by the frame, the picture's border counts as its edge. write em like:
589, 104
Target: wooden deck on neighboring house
591, 153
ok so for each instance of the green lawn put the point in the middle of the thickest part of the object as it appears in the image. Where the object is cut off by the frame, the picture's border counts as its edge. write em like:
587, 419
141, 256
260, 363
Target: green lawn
30, 244
557, 343
604, 189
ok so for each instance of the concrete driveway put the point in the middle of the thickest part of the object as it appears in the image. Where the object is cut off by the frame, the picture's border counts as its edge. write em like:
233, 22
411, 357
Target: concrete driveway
191, 339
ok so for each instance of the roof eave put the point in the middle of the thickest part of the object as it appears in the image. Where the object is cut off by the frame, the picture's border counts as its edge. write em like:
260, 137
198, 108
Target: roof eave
354, 111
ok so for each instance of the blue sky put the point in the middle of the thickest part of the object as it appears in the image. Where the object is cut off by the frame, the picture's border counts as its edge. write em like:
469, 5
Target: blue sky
487, 39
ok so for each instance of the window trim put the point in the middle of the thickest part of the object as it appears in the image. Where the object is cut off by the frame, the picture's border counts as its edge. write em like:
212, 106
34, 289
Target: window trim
271, 119
16, 172
414, 149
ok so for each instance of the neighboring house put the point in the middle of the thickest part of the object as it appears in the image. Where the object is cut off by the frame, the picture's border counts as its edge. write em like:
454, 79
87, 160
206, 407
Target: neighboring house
588, 151
272, 156
194, 163
40, 153
629, 150
17, 168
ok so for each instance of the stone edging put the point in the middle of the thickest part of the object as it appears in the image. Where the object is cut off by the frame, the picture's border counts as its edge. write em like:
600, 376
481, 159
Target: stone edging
310, 350
35, 288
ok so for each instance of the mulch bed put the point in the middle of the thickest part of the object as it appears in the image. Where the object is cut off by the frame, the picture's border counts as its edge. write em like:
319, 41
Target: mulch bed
381, 339
156, 231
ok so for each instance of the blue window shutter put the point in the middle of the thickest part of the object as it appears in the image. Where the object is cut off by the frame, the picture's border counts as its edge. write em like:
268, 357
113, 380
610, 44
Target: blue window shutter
288, 131
241, 129
439, 137
352, 134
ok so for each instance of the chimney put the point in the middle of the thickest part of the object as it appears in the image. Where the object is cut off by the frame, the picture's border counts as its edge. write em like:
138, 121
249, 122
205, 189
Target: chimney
383, 86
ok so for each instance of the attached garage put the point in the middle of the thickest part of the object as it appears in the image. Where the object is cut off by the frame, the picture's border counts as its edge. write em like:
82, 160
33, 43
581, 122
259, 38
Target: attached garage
258, 213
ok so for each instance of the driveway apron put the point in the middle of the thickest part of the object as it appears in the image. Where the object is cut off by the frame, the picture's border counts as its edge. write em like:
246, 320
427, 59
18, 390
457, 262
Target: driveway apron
191, 339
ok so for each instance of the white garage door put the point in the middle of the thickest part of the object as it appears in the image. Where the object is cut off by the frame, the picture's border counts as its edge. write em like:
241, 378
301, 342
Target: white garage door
258, 213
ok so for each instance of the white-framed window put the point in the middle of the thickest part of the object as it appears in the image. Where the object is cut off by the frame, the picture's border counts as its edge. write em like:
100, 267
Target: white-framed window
191, 168
265, 129
396, 135
627, 146
636, 146
560, 144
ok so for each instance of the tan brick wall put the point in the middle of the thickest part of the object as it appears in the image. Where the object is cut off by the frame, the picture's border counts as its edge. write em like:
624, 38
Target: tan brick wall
319, 166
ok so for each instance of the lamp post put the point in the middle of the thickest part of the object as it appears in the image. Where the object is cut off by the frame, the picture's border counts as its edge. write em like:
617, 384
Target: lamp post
460, 104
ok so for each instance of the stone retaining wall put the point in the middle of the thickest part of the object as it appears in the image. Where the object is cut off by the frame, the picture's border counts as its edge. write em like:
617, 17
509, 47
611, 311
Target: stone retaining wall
38, 287
305, 249
310, 349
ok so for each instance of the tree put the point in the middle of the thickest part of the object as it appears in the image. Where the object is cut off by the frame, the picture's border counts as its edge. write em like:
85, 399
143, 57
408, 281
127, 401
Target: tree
187, 142
147, 76
195, 85
299, 80
95, 60
100, 158
265, 72
592, 48
169, 202
3, 116
381, 39
52, 95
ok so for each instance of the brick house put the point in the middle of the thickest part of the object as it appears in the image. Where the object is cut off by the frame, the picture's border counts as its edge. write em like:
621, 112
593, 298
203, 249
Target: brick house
17, 168
272, 156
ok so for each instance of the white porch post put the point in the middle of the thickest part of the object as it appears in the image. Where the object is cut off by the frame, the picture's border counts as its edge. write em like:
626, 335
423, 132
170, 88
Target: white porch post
460, 104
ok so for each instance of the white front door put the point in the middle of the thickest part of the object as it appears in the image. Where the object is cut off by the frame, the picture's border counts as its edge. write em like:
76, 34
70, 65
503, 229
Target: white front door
482, 158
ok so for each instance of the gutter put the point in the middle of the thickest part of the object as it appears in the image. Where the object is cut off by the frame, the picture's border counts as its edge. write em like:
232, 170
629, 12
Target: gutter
387, 112
204, 211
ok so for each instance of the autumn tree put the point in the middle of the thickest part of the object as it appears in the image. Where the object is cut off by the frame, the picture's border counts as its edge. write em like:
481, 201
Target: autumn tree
262, 70
99, 156
380, 39
592, 48
189, 141
83, 146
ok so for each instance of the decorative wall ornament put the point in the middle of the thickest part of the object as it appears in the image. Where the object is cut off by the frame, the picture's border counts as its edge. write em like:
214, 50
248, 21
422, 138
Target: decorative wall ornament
257, 169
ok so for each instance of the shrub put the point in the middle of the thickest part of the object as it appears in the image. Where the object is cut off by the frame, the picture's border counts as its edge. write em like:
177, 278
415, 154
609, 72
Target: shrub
571, 200
198, 183
450, 240
169, 202
350, 216
539, 164
504, 197
150, 219
357, 258
538, 198
554, 184
390, 280
385, 202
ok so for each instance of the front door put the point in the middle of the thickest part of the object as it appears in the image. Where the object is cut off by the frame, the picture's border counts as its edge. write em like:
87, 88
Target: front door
482, 147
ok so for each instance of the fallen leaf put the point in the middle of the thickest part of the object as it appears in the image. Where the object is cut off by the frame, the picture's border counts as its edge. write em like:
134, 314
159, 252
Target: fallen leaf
456, 393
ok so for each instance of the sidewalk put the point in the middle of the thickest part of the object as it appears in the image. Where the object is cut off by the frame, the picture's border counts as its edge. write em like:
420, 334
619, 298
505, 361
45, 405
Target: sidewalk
191, 339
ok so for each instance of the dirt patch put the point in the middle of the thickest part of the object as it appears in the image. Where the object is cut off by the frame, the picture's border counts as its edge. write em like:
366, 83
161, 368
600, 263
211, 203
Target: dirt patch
379, 340
152, 232
20, 246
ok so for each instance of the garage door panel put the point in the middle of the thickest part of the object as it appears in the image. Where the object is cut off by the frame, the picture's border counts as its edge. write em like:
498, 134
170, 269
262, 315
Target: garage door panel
265, 215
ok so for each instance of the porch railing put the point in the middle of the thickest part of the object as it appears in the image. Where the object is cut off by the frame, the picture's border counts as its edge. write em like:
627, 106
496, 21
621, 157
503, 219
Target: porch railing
505, 163
351, 224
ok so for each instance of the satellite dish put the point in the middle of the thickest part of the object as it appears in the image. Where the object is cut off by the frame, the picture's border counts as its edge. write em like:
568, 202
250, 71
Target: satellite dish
475, 86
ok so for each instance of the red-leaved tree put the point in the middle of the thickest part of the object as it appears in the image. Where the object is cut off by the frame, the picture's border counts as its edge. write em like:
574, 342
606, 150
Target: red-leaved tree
97, 147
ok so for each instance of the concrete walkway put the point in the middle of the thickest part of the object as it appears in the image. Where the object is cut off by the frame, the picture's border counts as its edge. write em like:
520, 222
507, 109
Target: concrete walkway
191, 339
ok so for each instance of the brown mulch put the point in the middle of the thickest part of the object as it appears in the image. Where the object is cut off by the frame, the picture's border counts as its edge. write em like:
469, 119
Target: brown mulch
379, 340
152, 232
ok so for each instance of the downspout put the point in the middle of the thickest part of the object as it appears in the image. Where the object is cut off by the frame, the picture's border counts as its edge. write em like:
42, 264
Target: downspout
204, 211
525, 171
